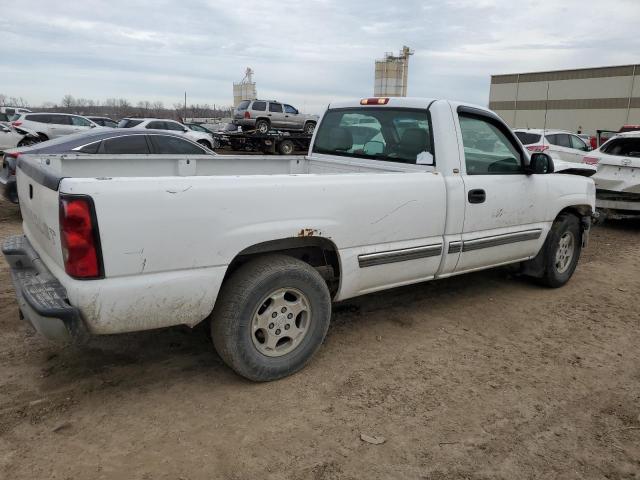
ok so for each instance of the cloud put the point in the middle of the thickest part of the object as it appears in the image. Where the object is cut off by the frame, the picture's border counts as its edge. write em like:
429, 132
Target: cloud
305, 53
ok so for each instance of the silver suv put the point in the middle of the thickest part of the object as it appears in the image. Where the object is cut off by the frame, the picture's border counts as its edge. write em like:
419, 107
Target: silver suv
263, 115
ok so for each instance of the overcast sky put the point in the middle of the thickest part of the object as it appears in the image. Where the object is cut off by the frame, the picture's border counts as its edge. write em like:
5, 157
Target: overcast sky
303, 52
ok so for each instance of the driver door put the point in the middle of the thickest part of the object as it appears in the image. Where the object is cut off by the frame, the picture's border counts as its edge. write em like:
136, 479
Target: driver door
504, 218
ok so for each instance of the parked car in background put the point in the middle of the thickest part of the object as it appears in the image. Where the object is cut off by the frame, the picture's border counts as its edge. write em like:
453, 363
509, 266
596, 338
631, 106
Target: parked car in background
559, 144
204, 139
10, 112
104, 122
53, 125
100, 142
618, 177
263, 115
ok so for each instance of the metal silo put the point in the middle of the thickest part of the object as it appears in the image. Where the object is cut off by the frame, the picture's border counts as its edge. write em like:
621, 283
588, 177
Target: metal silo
392, 73
246, 89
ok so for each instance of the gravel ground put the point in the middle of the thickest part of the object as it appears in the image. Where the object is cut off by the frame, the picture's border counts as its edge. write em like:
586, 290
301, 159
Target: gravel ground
483, 376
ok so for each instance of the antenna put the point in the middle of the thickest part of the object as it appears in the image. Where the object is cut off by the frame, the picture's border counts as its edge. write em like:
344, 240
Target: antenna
546, 108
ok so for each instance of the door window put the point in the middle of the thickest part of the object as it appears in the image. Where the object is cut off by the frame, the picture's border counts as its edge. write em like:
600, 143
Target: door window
156, 125
275, 107
132, 144
80, 122
60, 119
290, 109
560, 139
174, 126
174, 146
487, 150
578, 144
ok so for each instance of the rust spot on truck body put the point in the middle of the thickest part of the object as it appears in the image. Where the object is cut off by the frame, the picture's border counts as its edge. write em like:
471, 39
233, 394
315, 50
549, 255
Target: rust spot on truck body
308, 232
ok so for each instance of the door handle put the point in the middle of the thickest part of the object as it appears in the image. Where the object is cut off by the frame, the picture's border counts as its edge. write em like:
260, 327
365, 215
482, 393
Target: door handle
268, 114
477, 195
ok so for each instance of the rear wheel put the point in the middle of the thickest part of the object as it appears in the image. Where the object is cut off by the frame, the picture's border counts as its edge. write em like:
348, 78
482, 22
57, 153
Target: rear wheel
561, 250
262, 126
271, 316
309, 128
286, 147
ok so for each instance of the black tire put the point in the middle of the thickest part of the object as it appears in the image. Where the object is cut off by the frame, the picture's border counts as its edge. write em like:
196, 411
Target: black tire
286, 147
564, 224
262, 126
25, 142
309, 128
243, 294
205, 144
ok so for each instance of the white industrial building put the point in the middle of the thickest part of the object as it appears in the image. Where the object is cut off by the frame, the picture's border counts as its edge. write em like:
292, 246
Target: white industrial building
245, 89
392, 74
587, 99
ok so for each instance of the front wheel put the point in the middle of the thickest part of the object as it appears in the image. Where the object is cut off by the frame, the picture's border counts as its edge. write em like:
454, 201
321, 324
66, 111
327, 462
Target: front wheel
561, 250
205, 144
270, 318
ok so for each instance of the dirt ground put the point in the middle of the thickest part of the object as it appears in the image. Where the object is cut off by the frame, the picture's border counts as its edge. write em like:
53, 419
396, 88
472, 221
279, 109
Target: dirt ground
484, 376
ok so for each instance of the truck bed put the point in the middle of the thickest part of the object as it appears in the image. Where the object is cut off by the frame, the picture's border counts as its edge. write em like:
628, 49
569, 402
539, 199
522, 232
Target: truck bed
115, 166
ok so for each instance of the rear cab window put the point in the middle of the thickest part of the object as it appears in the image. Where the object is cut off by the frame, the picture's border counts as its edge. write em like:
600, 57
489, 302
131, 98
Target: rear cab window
389, 134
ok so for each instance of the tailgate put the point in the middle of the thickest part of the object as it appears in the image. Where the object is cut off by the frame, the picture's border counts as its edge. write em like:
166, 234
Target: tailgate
38, 194
619, 174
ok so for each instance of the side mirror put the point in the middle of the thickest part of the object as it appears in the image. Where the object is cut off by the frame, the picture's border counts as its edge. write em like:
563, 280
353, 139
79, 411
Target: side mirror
540, 163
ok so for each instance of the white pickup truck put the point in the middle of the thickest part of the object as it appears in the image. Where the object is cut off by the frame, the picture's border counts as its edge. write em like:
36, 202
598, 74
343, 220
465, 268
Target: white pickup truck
392, 192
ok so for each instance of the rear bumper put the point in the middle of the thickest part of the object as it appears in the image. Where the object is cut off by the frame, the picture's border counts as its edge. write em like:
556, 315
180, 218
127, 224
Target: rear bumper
612, 200
42, 299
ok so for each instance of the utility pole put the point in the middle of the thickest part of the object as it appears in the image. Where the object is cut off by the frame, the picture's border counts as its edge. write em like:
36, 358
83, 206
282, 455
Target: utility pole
184, 117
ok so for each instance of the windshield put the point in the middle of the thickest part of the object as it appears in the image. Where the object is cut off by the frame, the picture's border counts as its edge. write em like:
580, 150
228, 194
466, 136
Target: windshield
390, 134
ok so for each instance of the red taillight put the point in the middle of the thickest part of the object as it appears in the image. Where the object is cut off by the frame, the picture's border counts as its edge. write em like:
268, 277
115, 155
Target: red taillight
16, 123
590, 160
79, 237
537, 148
374, 101
247, 114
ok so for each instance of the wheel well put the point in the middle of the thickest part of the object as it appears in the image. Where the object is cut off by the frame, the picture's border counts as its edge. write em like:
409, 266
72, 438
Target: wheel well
202, 141
579, 211
319, 252
263, 118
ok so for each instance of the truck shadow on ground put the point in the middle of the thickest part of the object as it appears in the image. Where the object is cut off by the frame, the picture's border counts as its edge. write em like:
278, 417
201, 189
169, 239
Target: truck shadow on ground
142, 359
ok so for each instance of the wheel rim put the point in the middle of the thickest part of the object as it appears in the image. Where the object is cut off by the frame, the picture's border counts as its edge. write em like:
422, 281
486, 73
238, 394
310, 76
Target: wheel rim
280, 322
310, 128
287, 149
565, 252
263, 127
